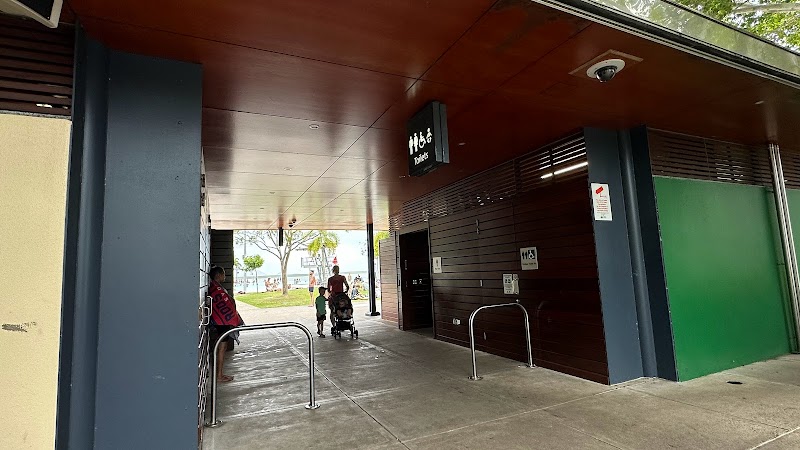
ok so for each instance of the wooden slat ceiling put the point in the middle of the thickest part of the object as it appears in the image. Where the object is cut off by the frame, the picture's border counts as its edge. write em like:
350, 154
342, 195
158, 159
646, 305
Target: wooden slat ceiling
359, 68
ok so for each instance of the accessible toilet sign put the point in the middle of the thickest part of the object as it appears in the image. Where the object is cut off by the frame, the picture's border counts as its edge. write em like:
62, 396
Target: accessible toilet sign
529, 257
601, 202
427, 139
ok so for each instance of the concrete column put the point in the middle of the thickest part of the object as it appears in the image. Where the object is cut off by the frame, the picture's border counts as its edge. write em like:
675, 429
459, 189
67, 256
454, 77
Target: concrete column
131, 319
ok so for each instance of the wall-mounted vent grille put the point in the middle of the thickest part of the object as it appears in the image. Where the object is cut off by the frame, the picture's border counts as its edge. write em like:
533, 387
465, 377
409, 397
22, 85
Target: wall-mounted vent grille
564, 159
681, 156
35, 67
791, 168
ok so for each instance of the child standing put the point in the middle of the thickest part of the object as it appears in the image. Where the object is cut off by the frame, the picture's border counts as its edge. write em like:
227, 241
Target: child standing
320, 303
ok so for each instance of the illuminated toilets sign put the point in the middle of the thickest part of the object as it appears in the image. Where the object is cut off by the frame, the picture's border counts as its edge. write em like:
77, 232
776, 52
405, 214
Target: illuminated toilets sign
427, 139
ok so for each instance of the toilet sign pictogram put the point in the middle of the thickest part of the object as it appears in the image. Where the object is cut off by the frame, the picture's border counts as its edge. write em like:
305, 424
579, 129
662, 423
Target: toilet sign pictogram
427, 139
529, 257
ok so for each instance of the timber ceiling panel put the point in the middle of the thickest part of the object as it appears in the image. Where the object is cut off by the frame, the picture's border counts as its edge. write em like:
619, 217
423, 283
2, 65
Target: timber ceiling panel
401, 37
359, 69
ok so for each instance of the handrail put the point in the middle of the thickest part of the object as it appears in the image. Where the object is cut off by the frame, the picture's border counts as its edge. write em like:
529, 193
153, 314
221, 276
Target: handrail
472, 336
312, 404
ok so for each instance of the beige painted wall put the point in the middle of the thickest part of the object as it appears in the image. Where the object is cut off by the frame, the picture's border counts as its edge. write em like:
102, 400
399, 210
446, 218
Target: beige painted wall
33, 174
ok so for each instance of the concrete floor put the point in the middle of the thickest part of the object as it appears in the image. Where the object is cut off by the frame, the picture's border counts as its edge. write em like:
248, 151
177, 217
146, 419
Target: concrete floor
396, 390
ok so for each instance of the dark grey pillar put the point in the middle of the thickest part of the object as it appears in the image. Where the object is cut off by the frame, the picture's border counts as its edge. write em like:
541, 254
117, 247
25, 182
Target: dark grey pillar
637, 256
133, 298
620, 319
82, 253
373, 309
654, 276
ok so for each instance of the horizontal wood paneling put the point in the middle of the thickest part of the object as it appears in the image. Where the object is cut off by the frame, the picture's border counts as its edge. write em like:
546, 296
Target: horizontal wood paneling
36, 65
222, 255
388, 269
562, 297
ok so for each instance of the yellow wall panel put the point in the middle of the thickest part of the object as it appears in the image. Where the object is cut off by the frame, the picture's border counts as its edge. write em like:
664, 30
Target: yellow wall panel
33, 182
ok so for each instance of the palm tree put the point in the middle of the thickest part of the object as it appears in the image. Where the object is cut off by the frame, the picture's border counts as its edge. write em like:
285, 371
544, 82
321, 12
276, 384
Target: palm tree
318, 248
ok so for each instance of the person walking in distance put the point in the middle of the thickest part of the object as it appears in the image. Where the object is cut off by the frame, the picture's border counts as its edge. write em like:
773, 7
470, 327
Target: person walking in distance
337, 284
312, 282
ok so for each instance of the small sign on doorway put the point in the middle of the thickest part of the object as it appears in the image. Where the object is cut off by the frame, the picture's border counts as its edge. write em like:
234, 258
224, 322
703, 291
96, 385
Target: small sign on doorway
529, 257
510, 284
437, 264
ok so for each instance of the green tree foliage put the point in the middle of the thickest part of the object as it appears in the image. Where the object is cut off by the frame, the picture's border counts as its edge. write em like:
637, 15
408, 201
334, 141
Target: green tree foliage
252, 264
379, 236
268, 241
318, 249
774, 20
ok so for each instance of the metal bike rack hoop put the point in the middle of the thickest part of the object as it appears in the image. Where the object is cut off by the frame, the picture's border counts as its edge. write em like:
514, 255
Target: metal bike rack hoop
474, 375
312, 404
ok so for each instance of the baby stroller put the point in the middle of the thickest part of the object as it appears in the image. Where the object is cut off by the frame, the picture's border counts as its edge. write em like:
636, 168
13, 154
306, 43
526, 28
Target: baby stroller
342, 324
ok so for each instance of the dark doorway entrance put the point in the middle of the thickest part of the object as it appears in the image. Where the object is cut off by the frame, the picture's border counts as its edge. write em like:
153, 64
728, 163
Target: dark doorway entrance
416, 306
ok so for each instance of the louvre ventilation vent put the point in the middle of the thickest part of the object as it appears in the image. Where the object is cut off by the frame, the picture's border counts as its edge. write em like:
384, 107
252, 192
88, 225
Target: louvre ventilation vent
564, 159
791, 168
35, 67
680, 156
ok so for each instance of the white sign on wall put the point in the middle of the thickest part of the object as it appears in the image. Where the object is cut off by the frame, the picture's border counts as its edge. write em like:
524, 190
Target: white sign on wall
510, 284
529, 257
601, 202
437, 264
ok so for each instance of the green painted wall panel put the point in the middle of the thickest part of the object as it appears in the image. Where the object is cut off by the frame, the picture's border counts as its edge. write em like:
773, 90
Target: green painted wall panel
724, 275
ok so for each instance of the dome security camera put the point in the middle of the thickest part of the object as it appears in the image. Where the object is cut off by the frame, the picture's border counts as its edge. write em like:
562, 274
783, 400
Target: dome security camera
605, 74
606, 70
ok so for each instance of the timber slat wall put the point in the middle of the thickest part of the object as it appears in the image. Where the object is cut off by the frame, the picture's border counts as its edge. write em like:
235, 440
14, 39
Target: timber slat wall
36, 65
388, 270
222, 255
562, 297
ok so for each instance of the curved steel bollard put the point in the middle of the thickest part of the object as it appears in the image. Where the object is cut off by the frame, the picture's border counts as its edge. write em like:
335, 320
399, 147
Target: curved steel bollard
312, 404
474, 375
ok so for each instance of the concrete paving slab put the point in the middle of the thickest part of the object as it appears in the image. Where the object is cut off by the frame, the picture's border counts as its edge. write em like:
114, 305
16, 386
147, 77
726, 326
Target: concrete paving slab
335, 425
238, 399
538, 387
790, 441
782, 370
635, 420
433, 408
384, 374
530, 430
761, 401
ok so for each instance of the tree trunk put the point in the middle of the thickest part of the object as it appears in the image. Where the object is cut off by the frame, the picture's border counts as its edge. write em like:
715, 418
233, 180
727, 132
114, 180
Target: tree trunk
256, 274
284, 280
324, 271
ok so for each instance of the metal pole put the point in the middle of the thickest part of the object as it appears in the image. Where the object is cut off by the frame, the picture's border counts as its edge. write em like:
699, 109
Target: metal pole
787, 237
312, 404
371, 267
474, 375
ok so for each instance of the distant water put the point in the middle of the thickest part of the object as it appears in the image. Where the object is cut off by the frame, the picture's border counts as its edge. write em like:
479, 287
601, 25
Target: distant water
295, 281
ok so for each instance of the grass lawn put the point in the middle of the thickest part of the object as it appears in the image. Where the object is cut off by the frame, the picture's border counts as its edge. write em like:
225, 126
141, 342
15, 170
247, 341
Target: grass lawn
296, 297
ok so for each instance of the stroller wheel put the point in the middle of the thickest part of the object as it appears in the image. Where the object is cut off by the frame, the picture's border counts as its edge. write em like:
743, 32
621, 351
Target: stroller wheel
355, 333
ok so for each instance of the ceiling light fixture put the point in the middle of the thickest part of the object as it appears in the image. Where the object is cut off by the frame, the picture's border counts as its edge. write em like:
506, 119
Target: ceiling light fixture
564, 170
287, 169
314, 126
461, 144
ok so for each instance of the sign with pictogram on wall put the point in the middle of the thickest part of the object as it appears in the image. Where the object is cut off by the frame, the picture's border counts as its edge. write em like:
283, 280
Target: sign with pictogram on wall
427, 139
529, 257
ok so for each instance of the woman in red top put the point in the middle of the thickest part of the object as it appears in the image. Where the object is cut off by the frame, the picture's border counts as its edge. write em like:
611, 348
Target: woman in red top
224, 316
337, 284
